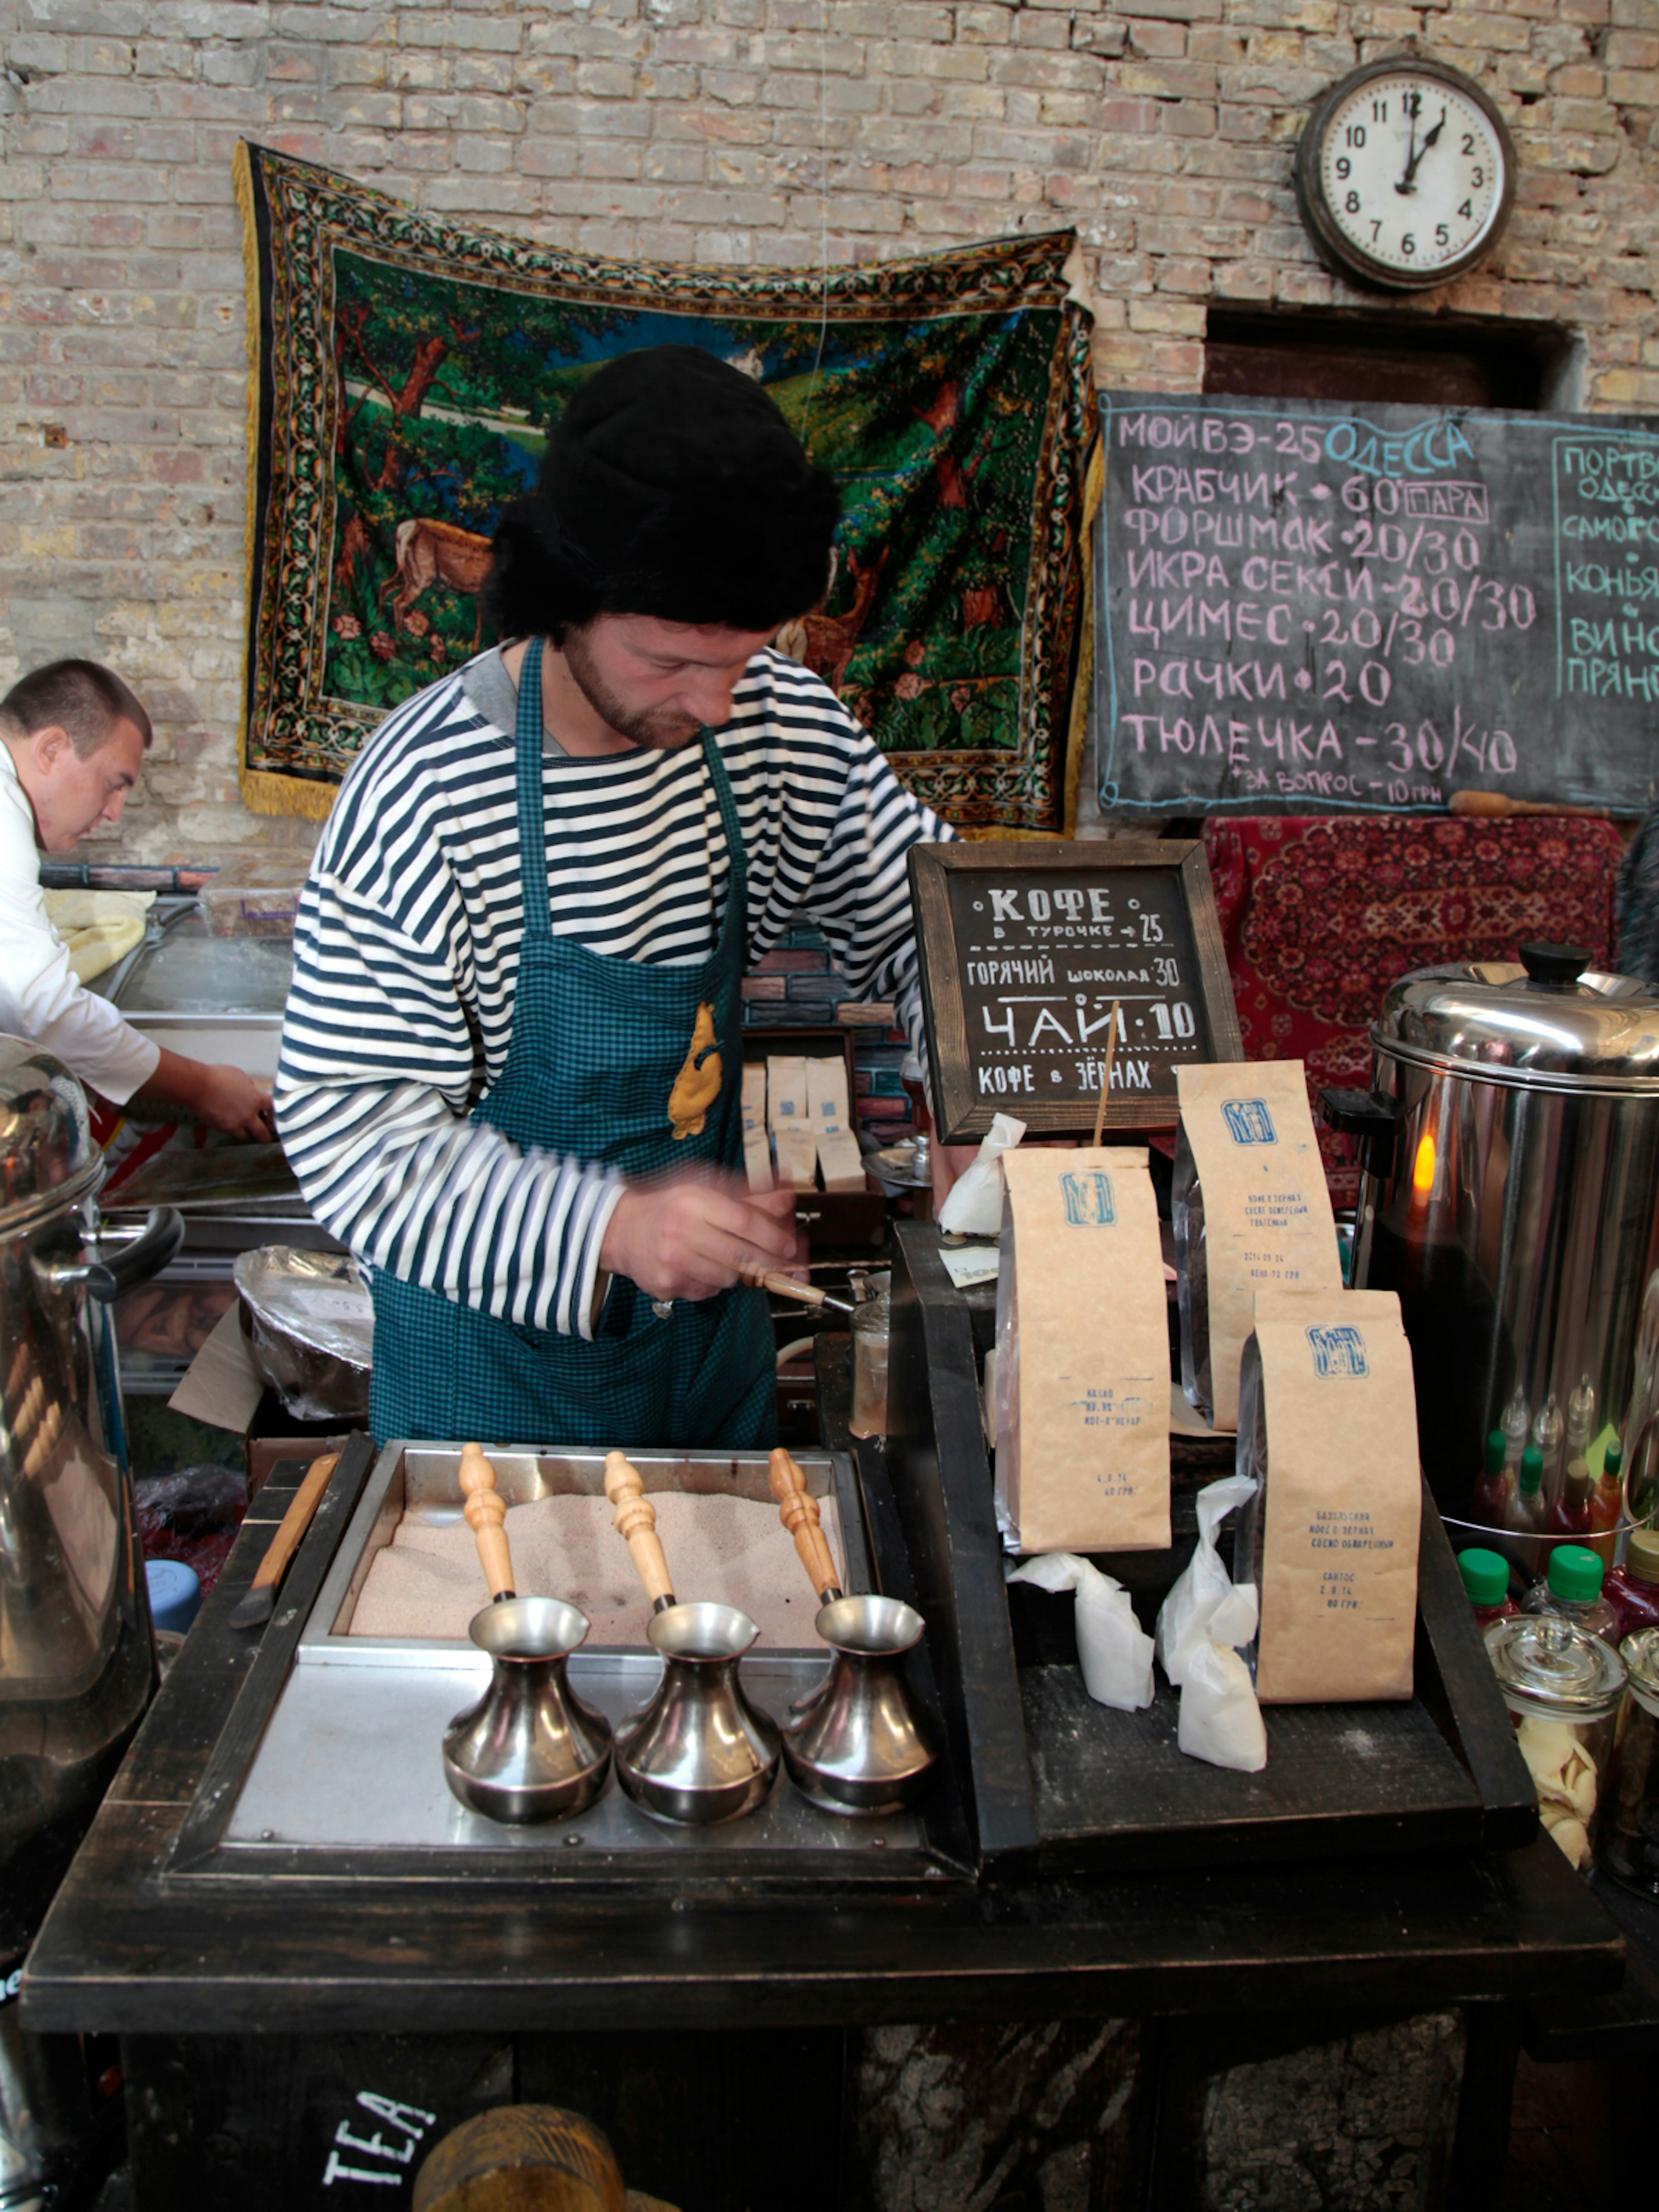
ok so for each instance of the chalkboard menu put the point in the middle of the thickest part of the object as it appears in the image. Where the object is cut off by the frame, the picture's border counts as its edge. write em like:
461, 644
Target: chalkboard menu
1303, 607
1025, 950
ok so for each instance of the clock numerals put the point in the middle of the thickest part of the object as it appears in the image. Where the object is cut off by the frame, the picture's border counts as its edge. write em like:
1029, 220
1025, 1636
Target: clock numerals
1406, 173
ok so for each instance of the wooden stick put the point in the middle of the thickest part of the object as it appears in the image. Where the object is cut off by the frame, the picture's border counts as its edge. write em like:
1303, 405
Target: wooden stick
799, 1512
486, 1513
1106, 1078
295, 1523
785, 1286
1496, 805
635, 1521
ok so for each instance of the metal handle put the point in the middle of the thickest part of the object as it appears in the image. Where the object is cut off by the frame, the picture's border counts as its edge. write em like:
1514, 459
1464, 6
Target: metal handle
1371, 1117
153, 1248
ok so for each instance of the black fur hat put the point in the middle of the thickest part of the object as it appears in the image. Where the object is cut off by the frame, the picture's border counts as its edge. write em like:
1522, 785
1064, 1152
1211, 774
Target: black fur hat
674, 487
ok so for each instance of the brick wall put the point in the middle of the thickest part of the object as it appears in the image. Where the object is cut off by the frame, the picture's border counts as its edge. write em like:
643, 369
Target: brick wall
724, 131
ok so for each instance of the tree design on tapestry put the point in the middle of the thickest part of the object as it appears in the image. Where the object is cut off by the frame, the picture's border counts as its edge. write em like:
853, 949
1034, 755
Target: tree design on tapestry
410, 374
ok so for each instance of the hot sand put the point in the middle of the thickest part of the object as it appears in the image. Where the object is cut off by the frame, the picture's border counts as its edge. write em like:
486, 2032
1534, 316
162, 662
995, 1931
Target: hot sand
427, 1582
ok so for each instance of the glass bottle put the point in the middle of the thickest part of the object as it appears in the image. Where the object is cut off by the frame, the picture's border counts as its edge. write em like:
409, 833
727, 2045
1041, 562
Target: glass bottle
1515, 1425
1570, 1586
1549, 1433
1607, 1505
1486, 1578
1569, 1516
1632, 1591
1628, 1845
1525, 1508
1581, 1421
1562, 1687
1492, 1492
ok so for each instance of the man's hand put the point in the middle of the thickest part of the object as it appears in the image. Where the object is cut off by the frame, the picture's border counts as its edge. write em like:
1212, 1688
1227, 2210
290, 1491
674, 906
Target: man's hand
219, 1098
687, 1235
227, 1099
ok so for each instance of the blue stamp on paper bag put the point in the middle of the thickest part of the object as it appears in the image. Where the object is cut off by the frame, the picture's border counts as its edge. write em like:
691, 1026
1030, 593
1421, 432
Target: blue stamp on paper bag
1339, 1353
1088, 1199
1248, 1121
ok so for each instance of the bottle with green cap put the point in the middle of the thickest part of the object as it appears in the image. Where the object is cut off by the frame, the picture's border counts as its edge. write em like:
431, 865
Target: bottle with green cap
1632, 1591
1486, 1578
1607, 1508
1524, 1510
1571, 1586
1491, 1490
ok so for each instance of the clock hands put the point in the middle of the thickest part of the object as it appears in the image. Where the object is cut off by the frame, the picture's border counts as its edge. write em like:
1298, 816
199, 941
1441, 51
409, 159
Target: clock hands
1415, 152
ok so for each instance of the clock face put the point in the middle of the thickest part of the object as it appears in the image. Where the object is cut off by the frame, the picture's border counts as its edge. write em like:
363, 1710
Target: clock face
1411, 171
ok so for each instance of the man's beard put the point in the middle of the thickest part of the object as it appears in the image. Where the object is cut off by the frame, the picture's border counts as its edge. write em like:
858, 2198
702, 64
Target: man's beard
657, 729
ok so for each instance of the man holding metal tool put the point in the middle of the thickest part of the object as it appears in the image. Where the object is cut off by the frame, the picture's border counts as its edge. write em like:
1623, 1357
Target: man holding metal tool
511, 1068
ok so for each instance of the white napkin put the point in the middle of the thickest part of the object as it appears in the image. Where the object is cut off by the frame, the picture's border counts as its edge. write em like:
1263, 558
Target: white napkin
973, 1206
1183, 1619
1204, 1616
1114, 1651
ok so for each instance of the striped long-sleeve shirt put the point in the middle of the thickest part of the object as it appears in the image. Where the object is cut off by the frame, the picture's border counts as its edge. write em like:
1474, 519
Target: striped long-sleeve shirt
406, 953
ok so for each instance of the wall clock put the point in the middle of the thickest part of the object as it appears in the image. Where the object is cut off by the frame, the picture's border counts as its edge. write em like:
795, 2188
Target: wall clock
1405, 175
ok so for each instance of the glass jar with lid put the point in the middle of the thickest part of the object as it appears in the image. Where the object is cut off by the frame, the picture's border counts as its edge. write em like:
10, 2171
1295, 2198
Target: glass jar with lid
1628, 1848
1562, 1687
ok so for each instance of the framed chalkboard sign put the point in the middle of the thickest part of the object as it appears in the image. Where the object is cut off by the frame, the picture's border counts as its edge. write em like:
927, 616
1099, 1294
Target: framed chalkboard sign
1306, 607
1025, 949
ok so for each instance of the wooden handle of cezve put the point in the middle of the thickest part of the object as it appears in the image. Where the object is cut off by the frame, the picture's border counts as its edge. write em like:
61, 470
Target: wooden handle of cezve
784, 1286
636, 1525
294, 1523
486, 1511
798, 1513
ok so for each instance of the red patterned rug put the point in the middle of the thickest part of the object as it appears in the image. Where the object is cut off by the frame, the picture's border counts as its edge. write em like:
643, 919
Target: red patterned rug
1320, 916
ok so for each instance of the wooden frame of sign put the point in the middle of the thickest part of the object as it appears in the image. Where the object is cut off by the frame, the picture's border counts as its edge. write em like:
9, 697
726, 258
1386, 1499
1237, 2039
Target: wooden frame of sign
1024, 950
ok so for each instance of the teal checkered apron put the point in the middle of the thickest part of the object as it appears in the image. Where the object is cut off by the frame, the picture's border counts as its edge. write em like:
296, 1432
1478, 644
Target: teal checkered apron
597, 1044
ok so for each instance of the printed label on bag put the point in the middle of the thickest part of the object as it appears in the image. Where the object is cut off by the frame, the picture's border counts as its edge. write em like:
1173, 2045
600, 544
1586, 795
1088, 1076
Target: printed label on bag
1248, 1121
1088, 1200
1338, 1354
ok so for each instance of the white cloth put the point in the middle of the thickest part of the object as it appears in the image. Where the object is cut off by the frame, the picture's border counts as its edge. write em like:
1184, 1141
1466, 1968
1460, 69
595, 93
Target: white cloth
40, 997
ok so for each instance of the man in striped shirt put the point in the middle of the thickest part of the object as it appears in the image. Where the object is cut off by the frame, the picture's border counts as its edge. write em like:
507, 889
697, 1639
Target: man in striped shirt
525, 1122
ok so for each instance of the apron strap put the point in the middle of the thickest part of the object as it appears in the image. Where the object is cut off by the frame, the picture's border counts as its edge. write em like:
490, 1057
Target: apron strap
736, 893
533, 812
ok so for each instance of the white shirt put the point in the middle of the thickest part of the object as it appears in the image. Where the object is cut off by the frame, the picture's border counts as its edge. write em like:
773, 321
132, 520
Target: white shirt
40, 997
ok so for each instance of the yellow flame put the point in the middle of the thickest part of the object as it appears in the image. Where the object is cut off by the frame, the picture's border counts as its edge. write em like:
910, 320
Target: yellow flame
1423, 1165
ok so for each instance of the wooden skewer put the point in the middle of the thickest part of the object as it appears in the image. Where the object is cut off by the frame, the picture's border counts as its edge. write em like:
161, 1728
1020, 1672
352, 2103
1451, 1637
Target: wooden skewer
486, 1512
799, 1512
785, 1286
1106, 1077
635, 1521
1496, 804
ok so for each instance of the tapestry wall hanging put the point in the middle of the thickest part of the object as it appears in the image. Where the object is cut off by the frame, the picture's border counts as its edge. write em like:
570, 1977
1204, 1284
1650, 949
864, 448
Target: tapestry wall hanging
407, 372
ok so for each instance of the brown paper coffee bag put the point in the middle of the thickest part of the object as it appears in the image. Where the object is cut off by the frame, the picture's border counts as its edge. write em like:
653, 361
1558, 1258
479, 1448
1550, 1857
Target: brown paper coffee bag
1251, 1209
1327, 1410
1083, 1354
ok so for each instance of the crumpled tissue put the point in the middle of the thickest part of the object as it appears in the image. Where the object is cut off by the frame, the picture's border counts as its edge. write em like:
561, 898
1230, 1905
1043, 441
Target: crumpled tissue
1114, 1649
1204, 1615
973, 1206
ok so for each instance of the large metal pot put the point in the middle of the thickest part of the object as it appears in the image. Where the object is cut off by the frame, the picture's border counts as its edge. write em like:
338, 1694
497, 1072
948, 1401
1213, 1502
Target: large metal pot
1511, 1197
76, 1663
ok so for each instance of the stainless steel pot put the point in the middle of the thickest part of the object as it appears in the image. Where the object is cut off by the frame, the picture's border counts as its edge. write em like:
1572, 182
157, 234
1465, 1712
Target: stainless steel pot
1511, 1195
76, 1666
